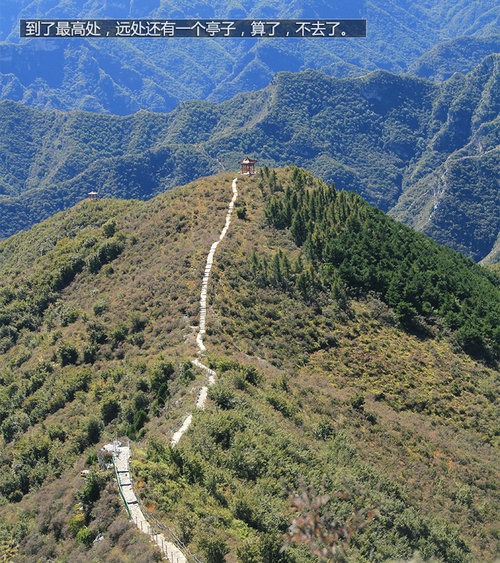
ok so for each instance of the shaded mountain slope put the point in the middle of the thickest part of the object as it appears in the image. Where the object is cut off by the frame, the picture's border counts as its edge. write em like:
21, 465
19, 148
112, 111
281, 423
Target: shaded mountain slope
330, 384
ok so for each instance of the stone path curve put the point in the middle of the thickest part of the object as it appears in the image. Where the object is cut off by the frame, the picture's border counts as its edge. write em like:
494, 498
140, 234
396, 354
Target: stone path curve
211, 375
122, 453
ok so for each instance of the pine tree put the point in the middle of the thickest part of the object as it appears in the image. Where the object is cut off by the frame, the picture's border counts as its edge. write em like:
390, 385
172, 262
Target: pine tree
303, 284
285, 267
275, 276
254, 264
273, 182
297, 266
298, 229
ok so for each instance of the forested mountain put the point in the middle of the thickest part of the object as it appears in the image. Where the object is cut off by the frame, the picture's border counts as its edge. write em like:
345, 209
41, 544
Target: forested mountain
354, 414
357, 368
457, 55
425, 152
123, 76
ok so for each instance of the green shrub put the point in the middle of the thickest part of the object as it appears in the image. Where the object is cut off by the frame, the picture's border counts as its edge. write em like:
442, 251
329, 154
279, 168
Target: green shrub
100, 307
89, 353
357, 402
94, 484
118, 334
137, 323
104, 254
91, 459
162, 394
187, 376
85, 536
279, 403
76, 523
323, 429
161, 372
97, 332
93, 430
109, 228
140, 419
140, 401
222, 395
213, 547
68, 353
69, 316
110, 407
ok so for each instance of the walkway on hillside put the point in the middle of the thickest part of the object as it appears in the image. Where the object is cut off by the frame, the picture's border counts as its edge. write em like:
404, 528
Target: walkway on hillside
122, 453
211, 375
121, 458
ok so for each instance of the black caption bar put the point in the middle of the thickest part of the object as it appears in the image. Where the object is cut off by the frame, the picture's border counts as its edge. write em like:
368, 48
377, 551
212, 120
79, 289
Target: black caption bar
193, 28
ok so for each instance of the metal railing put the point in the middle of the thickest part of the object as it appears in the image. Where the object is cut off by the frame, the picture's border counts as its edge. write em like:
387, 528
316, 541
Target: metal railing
120, 488
156, 525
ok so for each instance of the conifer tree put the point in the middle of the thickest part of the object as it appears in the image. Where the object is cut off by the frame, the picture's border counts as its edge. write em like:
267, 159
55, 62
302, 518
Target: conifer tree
298, 229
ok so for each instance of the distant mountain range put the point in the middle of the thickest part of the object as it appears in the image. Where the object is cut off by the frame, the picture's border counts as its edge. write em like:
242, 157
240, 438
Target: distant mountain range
425, 152
124, 76
457, 55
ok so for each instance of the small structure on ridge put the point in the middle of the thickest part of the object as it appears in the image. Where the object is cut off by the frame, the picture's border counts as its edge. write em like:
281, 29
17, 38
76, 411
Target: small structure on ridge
248, 166
93, 195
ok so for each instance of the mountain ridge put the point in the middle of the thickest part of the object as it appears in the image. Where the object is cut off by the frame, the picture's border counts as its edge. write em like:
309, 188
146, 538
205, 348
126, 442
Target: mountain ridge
404, 143
318, 375
133, 74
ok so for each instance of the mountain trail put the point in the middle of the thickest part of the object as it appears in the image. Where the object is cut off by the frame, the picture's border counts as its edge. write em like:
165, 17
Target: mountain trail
121, 454
211, 375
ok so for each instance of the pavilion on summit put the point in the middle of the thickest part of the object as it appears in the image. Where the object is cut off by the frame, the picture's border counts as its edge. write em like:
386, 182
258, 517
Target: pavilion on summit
248, 166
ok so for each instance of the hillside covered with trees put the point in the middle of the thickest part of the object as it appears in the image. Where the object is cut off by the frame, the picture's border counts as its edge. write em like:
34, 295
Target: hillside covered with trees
425, 152
357, 382
121, 76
